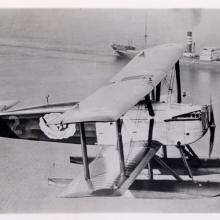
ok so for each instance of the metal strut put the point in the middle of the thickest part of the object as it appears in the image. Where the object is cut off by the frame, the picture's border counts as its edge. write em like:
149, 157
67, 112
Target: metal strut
148, 105
164, 148
158, 87
183, 156
84, 150
153, 95
120, 147
166, 167
150, 135
186, 152
178, 82
194, 155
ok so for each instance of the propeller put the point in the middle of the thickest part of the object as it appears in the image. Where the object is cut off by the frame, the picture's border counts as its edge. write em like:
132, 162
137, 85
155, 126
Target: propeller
212, 127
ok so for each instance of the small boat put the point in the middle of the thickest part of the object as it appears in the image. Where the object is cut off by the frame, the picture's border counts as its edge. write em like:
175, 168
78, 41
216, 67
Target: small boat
121, 47
129, 50
124, 50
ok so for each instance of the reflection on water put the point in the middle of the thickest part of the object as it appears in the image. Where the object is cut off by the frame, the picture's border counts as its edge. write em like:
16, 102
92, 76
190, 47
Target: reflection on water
202, 82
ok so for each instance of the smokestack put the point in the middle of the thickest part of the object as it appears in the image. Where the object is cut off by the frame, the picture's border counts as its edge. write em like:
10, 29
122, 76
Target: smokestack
189, 45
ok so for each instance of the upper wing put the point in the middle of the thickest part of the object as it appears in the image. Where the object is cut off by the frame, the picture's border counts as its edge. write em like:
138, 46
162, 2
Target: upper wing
156, 61
125, 89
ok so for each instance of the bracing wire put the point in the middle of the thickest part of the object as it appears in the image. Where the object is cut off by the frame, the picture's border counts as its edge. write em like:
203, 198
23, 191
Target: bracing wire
131, 141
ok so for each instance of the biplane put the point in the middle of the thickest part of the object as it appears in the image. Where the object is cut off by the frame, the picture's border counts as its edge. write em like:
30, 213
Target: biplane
128, 118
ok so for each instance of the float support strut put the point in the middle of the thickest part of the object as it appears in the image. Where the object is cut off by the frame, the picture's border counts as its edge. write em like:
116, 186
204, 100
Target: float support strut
193, 153
84, 150
182, 153
150, 171
164, 148
166, 167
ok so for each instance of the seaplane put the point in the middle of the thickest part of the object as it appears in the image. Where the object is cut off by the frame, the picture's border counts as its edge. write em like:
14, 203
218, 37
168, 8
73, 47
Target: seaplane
128, 119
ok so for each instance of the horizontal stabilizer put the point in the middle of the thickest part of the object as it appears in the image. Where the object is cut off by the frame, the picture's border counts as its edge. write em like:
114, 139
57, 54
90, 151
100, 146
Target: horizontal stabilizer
106, 178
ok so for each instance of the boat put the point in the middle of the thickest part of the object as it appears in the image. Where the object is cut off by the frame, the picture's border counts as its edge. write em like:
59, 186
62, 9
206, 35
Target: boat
210, 54
129, 50
124, 50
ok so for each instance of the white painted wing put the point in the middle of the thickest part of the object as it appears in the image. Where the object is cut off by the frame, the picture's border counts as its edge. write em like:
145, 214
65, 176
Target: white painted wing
129, 86
156, 61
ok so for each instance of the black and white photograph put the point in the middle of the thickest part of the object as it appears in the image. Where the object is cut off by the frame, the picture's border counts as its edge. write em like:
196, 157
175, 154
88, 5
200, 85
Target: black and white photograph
109, 110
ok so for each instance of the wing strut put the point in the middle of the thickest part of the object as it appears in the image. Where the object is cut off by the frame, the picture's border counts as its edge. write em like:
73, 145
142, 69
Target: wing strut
158, 92
84, 150
178, 82
120, 147
153, 95
148, 105
150, 135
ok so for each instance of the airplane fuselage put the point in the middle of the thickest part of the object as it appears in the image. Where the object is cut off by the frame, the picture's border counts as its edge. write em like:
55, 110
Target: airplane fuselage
172, 123
169, 127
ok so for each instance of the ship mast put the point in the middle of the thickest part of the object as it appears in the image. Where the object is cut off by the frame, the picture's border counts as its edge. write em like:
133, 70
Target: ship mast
145, 32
